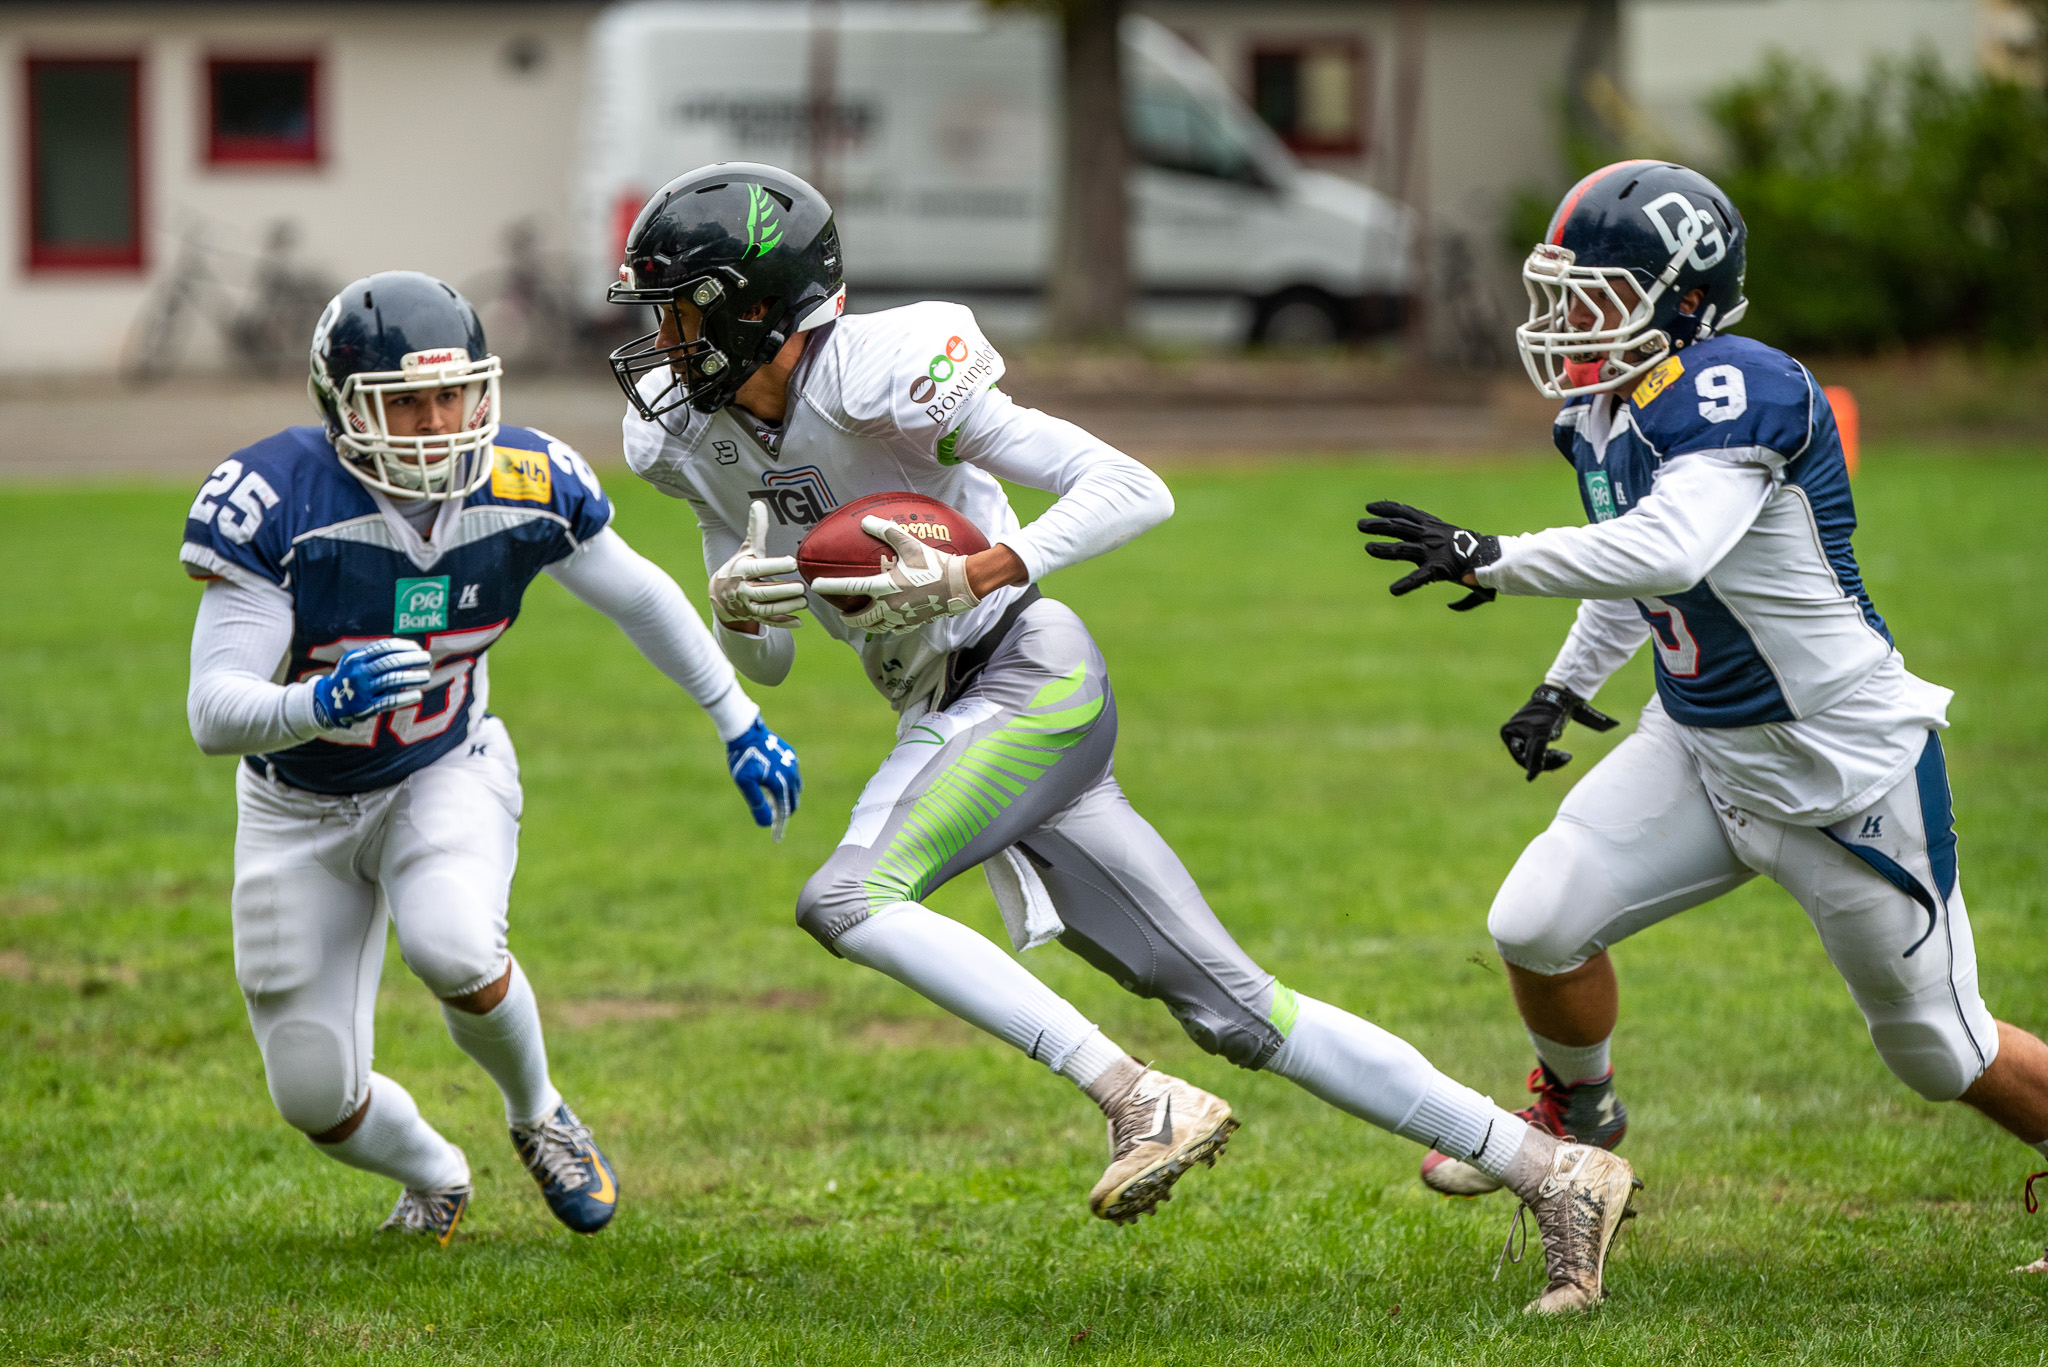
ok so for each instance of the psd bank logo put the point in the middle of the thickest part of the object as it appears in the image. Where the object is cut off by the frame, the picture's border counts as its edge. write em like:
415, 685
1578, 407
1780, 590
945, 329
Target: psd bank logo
421, 605
797, 497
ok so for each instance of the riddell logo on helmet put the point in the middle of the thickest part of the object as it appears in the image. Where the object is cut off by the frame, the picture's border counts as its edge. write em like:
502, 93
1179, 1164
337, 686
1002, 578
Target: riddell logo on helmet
433, 360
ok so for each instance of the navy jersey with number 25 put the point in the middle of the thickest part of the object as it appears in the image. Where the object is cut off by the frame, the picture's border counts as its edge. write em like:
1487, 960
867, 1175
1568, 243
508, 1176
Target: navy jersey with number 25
284, 512
1781, 628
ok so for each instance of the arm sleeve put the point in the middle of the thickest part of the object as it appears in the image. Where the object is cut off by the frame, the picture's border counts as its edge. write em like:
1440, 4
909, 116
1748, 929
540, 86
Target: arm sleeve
234, 706
1105, 497
764, 658
1698, 509
1606, 634
650, 608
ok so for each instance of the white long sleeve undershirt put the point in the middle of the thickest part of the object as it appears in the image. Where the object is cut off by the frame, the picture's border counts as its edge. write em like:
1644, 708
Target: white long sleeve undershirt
765, 658
1604, 636
1697, 510
239, 642
1105, 498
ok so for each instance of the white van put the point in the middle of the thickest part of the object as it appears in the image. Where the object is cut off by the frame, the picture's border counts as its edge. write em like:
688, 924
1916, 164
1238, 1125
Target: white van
941, 123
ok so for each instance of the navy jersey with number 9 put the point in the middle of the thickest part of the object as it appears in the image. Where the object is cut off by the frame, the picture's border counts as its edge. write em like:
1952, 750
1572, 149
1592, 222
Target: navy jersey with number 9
1782, 627
285, 513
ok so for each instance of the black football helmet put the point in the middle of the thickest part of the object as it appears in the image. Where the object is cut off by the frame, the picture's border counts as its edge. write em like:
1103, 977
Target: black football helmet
754, 248
1627, 245
403, 332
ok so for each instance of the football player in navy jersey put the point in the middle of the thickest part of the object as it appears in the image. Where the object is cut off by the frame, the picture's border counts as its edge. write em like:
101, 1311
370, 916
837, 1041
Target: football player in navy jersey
1787, 737
357, 573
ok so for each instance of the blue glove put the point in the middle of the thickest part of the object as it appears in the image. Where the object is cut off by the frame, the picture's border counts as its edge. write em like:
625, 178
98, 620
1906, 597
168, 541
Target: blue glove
380, 677
765, 768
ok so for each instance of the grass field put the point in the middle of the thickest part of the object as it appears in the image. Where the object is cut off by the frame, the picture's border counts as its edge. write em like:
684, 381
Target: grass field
818, 1167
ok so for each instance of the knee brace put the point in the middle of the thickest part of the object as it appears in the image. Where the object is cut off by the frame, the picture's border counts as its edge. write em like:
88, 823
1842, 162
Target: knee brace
1529, 919
309, 1077
1231, 1033
1930, 1045
834, 899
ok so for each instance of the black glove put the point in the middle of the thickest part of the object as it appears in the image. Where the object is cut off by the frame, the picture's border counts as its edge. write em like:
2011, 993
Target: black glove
1529, 732
1441, 550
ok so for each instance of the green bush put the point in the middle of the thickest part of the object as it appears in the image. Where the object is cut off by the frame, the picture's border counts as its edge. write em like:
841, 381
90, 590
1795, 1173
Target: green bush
1913, 210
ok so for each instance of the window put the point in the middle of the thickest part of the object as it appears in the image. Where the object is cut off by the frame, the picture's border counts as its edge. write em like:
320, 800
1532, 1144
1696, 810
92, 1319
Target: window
84, 163
1313, 94
1173, 127
262, 112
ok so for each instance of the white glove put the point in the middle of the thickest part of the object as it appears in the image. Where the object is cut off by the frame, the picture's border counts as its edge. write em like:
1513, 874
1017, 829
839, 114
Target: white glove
742, 590
920, 585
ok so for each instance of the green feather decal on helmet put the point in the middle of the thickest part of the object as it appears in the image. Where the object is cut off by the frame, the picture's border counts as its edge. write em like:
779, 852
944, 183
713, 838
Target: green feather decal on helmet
764, 230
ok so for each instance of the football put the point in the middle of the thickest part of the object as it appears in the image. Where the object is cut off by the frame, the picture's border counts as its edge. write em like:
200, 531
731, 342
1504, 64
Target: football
837, 546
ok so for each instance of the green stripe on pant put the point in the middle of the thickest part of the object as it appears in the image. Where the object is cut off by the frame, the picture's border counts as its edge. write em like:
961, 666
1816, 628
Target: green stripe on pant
980, 786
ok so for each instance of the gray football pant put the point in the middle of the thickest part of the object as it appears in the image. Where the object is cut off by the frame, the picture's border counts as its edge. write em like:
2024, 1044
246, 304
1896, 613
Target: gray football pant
1024, 758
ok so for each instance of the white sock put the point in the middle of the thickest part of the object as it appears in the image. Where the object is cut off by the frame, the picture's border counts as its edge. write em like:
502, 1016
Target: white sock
506, 1043
1573, 1063
393, 1141
964, 972
1381, 1078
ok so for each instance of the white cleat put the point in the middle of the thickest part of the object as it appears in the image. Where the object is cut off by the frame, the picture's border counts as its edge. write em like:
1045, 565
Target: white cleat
1158, 1129
1579, 1207
2039, 1264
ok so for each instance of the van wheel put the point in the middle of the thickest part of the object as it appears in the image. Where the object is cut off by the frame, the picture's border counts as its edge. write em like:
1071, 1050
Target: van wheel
1300, 317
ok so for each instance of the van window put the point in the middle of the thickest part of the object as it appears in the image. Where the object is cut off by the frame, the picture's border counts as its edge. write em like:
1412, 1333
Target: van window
1175, 129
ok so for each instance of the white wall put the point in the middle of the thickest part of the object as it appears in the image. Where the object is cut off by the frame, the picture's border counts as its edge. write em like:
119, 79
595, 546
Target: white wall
432, 144
1677, 52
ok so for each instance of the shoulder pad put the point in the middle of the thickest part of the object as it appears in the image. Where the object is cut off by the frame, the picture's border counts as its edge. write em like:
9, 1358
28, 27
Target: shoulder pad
910, 370
249, 509
1730, 395
529, 466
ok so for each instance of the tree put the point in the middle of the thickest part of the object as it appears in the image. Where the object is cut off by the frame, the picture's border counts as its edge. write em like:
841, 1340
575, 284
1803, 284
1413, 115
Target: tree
1090, 289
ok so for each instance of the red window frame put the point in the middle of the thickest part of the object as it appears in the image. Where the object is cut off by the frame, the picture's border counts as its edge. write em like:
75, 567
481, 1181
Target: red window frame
233, 151
49, 256
1360, 53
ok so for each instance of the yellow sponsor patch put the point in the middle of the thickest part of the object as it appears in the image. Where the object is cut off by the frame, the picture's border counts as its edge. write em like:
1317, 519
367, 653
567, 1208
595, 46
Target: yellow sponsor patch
520, 474
1655, 383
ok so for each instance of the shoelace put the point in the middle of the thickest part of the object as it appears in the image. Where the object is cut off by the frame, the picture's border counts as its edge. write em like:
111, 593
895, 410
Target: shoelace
2033, 1203
1520, 1225
558, 1151
1554, 1183
419, 1210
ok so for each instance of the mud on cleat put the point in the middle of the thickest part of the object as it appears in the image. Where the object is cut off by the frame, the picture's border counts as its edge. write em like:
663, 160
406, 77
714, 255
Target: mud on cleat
1579, 1203
575, 1177
1586, 1113
433, 1213
1158, 1129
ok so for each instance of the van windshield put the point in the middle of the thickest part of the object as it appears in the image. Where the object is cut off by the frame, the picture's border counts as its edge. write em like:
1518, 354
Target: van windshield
1178, 129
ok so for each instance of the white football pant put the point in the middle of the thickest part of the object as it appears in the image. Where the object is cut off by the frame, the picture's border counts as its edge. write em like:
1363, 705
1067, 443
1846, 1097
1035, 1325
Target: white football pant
309, 920
1640, 838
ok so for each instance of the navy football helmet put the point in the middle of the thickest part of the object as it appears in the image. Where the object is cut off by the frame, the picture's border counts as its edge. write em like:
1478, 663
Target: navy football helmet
755, 250
1624, 250
400, 332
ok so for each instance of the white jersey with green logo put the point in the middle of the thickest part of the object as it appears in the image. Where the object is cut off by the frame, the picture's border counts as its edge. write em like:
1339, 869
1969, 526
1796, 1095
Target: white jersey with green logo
902, 400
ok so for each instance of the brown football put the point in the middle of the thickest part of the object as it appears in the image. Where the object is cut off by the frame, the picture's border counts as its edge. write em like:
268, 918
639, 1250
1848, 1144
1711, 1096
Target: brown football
837, 546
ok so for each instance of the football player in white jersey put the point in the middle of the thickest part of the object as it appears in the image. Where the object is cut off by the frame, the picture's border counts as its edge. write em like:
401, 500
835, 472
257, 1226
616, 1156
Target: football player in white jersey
357, 572
1787, 737
763, 407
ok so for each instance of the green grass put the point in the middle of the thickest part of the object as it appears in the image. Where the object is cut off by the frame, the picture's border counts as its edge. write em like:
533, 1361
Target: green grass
818, 1167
